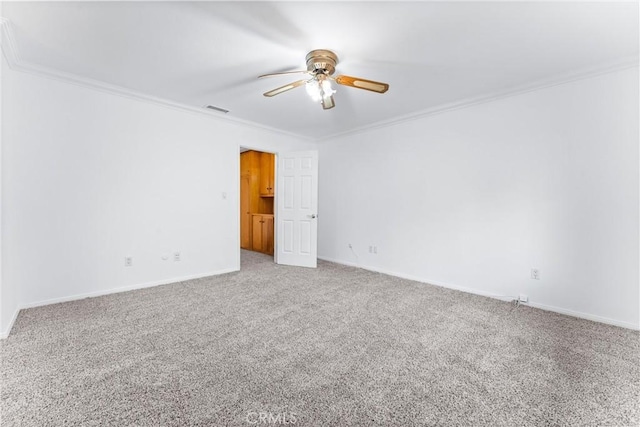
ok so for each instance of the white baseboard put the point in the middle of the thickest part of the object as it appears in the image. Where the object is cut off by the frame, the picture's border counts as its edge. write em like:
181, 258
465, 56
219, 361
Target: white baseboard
5, 334
593, 317
545, 307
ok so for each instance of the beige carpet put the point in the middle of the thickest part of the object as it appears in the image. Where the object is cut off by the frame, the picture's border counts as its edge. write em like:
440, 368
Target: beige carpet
333, 346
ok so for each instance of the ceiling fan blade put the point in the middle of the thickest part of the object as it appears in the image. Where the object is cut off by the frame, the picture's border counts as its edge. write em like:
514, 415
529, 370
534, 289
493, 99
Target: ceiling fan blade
359, 83
283, 73
285, 88
328, 102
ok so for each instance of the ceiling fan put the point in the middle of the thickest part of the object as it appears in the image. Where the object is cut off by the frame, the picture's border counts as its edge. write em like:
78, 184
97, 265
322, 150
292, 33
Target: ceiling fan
321, 64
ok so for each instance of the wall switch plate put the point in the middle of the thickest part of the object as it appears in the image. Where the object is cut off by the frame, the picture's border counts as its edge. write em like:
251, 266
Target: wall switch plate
535, 274
375, 249
128, 261
523, 298
370, 249
176, 256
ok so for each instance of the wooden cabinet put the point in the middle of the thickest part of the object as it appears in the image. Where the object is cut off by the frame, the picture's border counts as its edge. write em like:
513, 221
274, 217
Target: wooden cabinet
250, 200
262, 233
256, 201
267, 167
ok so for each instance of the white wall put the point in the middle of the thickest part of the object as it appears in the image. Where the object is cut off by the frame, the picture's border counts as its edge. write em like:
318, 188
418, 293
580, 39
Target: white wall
8, 297
474, 198
471, 198
90, 177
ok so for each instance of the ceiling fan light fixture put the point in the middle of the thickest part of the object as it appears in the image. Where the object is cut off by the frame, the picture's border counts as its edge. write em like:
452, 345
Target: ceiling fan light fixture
313, 90
326, 88
321, 64
319, 88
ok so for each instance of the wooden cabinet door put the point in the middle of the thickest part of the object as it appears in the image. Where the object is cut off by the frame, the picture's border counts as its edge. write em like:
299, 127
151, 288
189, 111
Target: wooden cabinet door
266, 173
257, 235
271, 173
244, 163
262, 234
267, 230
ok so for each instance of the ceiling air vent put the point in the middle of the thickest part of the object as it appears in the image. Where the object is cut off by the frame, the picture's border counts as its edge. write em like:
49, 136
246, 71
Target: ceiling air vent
214, 108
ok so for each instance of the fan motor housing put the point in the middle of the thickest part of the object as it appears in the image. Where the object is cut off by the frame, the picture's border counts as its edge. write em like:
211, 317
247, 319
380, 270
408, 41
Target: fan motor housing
322, 60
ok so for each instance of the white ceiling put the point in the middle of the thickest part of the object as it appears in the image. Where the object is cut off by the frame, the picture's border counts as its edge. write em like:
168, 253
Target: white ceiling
431, 53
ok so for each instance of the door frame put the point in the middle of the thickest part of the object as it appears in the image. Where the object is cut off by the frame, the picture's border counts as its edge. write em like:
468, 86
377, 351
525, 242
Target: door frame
275, 199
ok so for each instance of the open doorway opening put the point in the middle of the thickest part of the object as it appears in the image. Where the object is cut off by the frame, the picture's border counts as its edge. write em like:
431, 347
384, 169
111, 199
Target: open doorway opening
257, 195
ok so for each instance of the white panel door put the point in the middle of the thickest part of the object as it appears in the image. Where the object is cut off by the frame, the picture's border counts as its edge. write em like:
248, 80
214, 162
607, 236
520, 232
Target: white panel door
297, 199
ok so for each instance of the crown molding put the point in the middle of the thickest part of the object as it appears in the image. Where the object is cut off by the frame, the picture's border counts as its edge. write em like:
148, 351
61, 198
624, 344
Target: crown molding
586, 73
16, 63
11, 53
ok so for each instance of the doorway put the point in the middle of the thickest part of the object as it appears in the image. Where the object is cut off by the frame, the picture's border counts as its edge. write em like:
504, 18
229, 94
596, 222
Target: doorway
257, 195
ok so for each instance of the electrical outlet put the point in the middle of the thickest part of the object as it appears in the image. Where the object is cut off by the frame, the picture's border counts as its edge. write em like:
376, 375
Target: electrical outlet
375, 249
176, 256
128, 261
535, 274
523, 298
